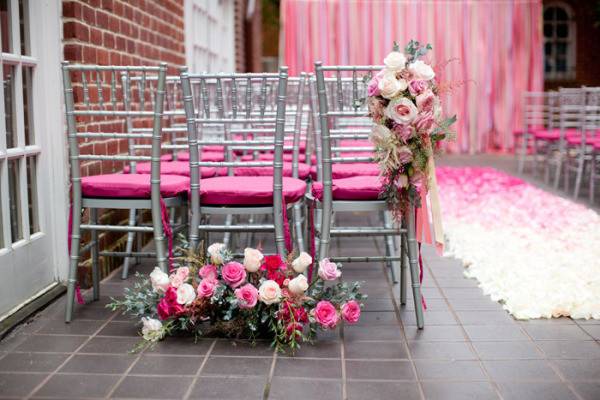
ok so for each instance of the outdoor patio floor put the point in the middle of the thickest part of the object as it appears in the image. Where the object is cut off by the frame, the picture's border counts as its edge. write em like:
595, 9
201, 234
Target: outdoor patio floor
470, 349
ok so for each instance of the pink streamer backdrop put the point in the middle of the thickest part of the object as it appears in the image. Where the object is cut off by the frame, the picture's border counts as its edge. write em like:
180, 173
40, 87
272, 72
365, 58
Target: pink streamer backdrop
497, 44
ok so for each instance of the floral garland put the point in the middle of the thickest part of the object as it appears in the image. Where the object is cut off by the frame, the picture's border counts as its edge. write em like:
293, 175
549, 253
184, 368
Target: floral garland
403, 101
264, 296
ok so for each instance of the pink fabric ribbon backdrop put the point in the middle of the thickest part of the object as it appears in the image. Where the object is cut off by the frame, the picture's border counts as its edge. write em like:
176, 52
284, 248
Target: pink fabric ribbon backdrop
495, 45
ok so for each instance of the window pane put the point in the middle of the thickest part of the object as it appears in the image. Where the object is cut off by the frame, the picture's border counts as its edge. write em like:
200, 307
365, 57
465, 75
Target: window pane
14, 200
28, 105
561, 14
561, 64
8, 73
562, 30
549, 14
5, 25
548, 30
24, 26
561, 49
32, 195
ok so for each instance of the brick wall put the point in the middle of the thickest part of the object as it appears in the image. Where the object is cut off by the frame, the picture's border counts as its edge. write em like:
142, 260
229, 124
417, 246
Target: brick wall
587, 45
118, 32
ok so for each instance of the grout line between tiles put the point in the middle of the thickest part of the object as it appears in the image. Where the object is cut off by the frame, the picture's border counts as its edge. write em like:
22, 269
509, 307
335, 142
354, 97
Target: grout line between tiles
267, 388
188, 393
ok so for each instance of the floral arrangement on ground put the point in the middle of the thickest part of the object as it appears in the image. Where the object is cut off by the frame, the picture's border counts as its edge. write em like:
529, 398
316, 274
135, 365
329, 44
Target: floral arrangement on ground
264, 296
404, 104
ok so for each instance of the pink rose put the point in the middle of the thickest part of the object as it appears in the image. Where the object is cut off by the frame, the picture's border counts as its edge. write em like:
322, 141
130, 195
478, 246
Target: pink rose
183, 273
234, 274
417, 87
404, 155
328, 271
176, 280
206, 287
404, 132
373, 88
425, 101
247, 296
325, 314
424, 121
208, 272
351, 312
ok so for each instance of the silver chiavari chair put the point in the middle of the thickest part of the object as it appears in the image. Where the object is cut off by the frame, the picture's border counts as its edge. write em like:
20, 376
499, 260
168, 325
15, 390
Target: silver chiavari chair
536, 119
361, 193
580, 149
115, 191
239, 195
570, 103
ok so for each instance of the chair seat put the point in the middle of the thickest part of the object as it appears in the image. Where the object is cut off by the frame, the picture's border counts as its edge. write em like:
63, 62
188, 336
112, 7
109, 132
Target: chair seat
355, 143
554, 134
132, 186
532, 129
248, 190
172, 168
303, 170
354, 188
576, 140
206, 156
347, 170
286, 157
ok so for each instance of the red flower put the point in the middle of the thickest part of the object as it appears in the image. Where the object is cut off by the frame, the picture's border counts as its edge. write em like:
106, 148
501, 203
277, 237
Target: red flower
163, 309
292, 331
171, 295
273, 263
276, 276
300, 315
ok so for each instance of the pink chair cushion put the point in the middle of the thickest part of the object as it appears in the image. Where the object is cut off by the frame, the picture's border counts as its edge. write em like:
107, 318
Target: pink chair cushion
303, 170
172, 168
354, 188
576, 140
132, 186
248, 190
554, 134
301, 145
533, 129
206, 156
355, 143
339, 171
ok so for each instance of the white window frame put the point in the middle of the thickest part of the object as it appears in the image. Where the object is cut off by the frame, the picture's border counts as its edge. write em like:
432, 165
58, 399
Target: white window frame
571, 41
209, 35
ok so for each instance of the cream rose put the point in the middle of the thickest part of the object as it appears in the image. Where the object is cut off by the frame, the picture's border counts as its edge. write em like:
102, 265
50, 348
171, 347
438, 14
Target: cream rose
298, 285
302, 262
252, 259
160, 281
152, 329
215, 252
420, 70
380, 134
269, 292
390, 87
395, 61
185, 294
401, 110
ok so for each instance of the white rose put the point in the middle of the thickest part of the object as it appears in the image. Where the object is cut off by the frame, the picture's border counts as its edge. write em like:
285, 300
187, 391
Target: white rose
420, 70
185, 294
215, 252
302, 262
152, 329
380, 134
160, 281
252, 259
390, 87
401, 110
395, 61
269, 292
298, 285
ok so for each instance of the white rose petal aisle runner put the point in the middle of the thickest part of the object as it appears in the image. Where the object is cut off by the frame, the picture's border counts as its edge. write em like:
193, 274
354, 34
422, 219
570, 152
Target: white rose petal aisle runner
537, 253
262, 297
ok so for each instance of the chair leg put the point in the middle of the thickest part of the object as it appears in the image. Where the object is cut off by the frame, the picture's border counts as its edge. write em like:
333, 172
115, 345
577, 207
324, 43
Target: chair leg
94, 247
139, 239
593, 177
558, 171
298, 227
227, 235
390, 249
129, 246
578, 178
403, 255
413, 260
73, 261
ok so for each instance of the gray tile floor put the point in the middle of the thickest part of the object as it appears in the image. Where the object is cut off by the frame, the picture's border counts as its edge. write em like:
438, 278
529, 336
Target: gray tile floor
469, 349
